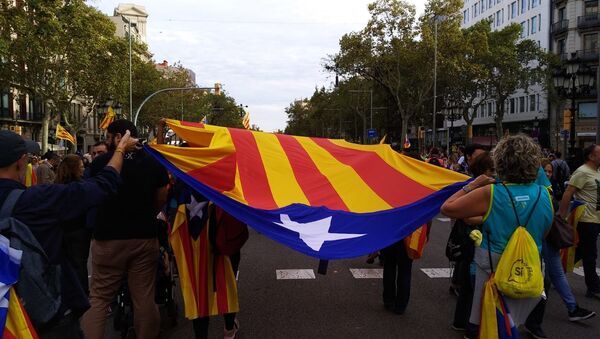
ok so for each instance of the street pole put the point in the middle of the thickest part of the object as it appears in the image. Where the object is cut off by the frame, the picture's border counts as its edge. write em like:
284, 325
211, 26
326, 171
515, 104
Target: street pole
137, 112
130, 73
435, 24
573, 113
598, 101
371, 93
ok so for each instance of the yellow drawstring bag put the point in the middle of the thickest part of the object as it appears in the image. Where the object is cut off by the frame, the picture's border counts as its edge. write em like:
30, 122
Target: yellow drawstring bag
519, 271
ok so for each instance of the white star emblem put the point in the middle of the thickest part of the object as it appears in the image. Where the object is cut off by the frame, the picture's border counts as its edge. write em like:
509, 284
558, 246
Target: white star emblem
314, 233
196, 208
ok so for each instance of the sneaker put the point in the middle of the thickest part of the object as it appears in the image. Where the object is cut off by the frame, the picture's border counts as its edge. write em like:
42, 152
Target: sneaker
591, 294
230, 334
536, 332
458, 328
580, 314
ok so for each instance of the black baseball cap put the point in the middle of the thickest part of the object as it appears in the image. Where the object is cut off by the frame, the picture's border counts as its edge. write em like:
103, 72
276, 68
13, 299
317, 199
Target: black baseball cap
12, 147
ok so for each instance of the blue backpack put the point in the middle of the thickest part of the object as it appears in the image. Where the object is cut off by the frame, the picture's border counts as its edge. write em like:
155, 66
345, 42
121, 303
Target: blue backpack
39, 281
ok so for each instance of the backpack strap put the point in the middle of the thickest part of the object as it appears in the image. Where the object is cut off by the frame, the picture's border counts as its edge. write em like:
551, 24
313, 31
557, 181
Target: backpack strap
10, 202
515, 208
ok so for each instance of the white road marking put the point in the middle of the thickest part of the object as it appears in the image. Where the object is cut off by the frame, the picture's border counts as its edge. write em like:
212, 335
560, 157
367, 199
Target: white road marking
579, 271
444, 219
367, 273
437, 272
295, 274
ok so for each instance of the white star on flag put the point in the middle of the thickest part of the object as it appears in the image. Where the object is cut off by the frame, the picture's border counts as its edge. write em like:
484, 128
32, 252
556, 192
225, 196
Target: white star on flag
314, 233
196, 208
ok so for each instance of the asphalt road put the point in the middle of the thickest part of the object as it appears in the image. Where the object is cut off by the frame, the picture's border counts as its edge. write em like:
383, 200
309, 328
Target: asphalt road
337, 305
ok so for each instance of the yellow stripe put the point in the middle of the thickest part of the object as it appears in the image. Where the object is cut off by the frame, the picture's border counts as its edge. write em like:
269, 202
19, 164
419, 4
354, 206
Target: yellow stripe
355, 193
187, 290
233, 305
430, 176
487, 214
280, 175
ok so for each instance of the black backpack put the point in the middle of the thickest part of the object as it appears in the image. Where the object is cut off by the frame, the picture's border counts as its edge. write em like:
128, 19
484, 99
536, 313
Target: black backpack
39, 281
460, 247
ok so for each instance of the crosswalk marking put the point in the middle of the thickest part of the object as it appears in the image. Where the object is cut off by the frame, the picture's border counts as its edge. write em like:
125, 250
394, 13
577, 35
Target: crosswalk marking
295, 274
437, 272
579, 271
367, 273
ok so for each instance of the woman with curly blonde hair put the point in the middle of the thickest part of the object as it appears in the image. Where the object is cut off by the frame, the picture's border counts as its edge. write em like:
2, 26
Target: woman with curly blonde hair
496, 205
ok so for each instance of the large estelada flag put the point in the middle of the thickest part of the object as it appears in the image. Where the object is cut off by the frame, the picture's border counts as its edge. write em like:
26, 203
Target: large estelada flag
326, 198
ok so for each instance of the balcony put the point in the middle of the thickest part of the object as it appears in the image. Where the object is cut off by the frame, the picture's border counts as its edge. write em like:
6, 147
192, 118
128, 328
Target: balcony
588, 21
560, 27
586, 55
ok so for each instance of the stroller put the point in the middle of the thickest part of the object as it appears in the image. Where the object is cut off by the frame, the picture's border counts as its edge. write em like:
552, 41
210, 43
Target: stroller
165, 296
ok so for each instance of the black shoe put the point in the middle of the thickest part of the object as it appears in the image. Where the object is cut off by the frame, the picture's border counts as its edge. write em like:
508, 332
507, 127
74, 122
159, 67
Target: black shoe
580, 314
536, 332
590, 294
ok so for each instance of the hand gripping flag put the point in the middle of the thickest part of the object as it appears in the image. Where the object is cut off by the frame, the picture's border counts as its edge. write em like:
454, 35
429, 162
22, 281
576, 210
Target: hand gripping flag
108, 118
325, 198
62, 133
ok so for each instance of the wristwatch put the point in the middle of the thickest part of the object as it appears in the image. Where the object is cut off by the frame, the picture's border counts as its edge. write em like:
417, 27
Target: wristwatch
466, 188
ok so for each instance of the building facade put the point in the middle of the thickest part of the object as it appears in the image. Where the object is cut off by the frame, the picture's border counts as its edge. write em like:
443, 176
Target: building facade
526, 111
574, 31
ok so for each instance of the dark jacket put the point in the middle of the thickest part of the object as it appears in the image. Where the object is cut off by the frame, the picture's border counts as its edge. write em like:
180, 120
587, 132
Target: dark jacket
45, 208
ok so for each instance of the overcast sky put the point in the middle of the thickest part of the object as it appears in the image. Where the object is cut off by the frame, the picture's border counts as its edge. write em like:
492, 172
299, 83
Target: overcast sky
266, 53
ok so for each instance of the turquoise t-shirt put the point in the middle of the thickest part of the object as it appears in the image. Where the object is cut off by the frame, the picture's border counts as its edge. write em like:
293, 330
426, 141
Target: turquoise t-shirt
500, 221
542, 179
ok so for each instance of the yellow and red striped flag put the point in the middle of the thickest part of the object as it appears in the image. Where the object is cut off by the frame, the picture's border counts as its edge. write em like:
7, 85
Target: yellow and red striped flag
567, 255
62, 133
18, 325
246, 121
108, 118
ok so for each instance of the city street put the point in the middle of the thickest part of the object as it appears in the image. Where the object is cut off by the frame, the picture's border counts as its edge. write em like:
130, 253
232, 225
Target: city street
339, 305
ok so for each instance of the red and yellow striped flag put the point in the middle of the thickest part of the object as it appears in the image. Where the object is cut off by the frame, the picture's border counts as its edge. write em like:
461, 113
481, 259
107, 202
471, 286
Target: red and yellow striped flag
62, 133
108, 118
246, 120
18, 325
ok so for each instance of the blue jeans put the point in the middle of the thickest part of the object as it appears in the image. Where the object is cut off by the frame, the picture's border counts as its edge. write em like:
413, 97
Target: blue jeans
556, 275
587, 251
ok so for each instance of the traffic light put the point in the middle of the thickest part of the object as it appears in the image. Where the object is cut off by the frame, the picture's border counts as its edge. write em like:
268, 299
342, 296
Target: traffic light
421, 132
567, 116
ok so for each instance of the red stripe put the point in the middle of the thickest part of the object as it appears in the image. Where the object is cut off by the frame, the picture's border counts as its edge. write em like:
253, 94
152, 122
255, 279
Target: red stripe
253, 176
30, 327
219, 175
191, 124
383, 179
316, 187
186, 244
205, 277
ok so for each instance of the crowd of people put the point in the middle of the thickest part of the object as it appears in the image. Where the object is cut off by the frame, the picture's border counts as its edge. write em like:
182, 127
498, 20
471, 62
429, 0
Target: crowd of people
106, 203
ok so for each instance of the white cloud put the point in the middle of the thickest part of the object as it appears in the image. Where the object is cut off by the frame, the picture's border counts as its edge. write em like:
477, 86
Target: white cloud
266, 53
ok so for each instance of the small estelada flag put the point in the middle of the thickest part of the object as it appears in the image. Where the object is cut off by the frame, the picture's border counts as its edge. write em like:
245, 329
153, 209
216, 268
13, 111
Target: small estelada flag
62, 133
246, 120
108, 118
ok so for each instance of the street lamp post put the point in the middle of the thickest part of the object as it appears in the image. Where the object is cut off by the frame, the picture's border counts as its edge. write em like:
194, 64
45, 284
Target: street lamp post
137, 112
436, 19
130, 24
571, 82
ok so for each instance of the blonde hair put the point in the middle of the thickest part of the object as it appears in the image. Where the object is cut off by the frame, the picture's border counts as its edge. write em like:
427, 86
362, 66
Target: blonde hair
517, 159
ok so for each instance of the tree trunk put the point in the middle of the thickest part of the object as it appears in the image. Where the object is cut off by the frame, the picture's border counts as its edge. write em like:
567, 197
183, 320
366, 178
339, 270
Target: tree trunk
404, 131
499, 118
366, 139
45, 126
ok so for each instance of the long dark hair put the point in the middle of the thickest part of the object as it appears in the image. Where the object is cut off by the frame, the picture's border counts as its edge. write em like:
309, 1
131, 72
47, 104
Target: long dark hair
68, 170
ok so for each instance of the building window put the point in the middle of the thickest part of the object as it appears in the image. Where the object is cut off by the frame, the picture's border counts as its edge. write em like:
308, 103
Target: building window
512, 106
532, 103
513, 10
591, 7
489, 110
590, 42
476, 10
523, 6
535, 3
498, 18
521, 104
5, 106
482, 5
534, 25
523, 29
465, 16
490, 3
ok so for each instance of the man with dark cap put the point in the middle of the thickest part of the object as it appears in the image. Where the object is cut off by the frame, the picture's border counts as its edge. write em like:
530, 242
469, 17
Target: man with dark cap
44, 208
